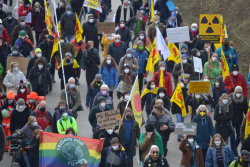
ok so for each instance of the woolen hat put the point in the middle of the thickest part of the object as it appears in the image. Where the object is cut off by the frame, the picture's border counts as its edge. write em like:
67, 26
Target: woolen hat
139, 42
9, 13
33, 95
20, 101
22, 18
129, 50
235, 67
11, 95
68, 54
68, 7
245, 155
25, 142
15, 48
38, 50
194, 51
90, 15
184, 55
238, 89
149, 127
22, 33
22, 85
183, 46
98, 76
101, 98
128, 109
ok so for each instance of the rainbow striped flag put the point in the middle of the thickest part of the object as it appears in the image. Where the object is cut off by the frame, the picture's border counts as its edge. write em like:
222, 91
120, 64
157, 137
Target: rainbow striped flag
56, 150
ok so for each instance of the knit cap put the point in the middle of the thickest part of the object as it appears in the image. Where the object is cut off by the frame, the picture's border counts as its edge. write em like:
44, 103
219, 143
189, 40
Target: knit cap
139, 42
238, 89
22, 33
129, 50
38, 50
184, 55
25, 142
33, 95
98, 76
63, 109
20, 102
149, 127
183, 46
22, 85
194, 51
10, 95
68, 54
235, 67
15, 48
128, 109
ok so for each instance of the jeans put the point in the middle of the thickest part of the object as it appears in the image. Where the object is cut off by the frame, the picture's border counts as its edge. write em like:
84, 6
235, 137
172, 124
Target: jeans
128, 151
179, 118
235, 141
70, 37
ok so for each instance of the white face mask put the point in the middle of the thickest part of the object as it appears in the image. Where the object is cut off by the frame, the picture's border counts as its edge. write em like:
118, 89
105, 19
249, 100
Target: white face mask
197, 96
235, 73
141, 37
214, 58
126, 71
102, 105
161, 94
60, 3
184, 61
20, 107
110, 131
109, 38
150, 133
10, 101
152, 86
108, 61
35, 124
182, 85
115, 147
206, 79
122, 25
32, 101
22, 90
225, 101
71, 134
217, 143
238, 95
9, 18
156, 22
117, 40
217, 84
65, 114
126, 97
140, 18
40, 66
163, 68
91, 20
22, 23
68, 13
38, 55
176, 12
62, 40
46, 36
198, 54
22, 37
190, 141
15, 69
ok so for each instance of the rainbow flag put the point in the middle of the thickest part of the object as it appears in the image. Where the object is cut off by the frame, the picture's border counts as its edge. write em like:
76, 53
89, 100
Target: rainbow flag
56, 150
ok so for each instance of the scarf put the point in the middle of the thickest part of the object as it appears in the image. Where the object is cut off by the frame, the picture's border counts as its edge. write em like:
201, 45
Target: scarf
122, 28
20, 110
236, 100
203, 119
75, 64
19, 42
146, 91
193, 161
117, 45
77, 47
122, 17
225, 107
109, 66
194, 33
127, 79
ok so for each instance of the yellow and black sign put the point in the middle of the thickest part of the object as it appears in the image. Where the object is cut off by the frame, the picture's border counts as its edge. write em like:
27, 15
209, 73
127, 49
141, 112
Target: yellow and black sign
209, 28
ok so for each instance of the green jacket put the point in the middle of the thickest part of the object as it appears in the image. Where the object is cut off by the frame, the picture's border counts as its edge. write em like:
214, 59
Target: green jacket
92, 115
135, 135
214, 72
233, 163
66, 124
65, 48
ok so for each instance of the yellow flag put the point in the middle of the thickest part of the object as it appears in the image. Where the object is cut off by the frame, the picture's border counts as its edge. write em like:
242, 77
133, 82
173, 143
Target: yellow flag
154, 57
161, 78
224, 65
247, 127
152, 10
136, 102
79, 30
175, 53
178, 99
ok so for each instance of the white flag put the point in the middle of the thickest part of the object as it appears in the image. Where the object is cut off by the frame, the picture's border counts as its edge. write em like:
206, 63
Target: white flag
161, 44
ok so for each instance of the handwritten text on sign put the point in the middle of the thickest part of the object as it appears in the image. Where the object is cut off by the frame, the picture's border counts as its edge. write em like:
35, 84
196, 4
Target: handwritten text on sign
109, 118
199, 87
185, 128
106, 27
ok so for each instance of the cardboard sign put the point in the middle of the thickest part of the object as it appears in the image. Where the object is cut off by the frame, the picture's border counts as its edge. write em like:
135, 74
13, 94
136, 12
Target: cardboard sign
197, 65
22, 63
185, 128
209, 28
123, 87
170, 5
108, 119
199, 86
106, 27
180, 34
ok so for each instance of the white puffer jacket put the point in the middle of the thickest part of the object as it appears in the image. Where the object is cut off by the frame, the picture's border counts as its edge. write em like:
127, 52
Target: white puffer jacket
13, 78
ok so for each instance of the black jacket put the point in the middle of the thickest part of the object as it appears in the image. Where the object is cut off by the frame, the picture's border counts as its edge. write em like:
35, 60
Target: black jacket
115, 52
10, 27
68, 24
166, 102
122, 105
33, 78
46, 49
90, 32
19, 119
118, 14
76, 6
25, 49
3, 58
69, 71
59, 13
35, 152
103, 134
91, 63
179, 19
32, 64
160, 162
125, 35
2, 14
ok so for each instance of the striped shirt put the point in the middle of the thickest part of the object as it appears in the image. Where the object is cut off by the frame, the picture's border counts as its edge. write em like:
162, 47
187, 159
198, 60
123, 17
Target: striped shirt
219, 155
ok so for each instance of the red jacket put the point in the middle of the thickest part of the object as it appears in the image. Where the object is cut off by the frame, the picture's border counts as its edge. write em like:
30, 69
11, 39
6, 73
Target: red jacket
5, 35
167, 81
43, 119
238, 80
23, 95
22, 11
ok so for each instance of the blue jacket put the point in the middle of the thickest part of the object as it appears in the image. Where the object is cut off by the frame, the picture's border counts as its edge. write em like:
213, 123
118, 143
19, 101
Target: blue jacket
109, 78
205, 129
161, 6
227, 53
248, 79
228, 156
92, 92
142, 58
147, 98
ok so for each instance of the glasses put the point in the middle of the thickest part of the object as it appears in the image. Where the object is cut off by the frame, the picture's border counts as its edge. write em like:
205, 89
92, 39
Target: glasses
155, 152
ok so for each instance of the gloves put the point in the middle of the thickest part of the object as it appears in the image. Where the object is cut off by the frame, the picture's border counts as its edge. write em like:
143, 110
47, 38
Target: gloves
9, 137
233, 88
49, 65
83, 69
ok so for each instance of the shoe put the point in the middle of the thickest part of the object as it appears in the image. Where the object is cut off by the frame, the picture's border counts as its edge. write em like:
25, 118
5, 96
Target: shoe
110, 10
6, 150
53, 80
11, 153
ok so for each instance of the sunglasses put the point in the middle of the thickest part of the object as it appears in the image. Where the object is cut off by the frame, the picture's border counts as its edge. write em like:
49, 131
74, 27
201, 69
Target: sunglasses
155, 152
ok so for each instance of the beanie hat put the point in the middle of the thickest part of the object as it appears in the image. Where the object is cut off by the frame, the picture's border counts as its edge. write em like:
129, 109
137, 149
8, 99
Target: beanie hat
15, 48
235, 67
149, 127
90, 15
25, 142
82, 162
98, 76
10, 95
68, 54
63, 109
225, 40
183, 46
20, 101
22, 18
9, 13
106, 86
129, 50
33, 95
194, 51
26, 2
184, 55
22, 33
139, 42
22, 85
238, 89
128, 109
68, 7
38, 50
101, 98
126, 66
177, 8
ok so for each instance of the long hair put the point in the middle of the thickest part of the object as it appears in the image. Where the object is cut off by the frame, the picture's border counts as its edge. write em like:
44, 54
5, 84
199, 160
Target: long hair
62, 102
212, 141
11, 65
149, 153
30, 120
225, 95
112, 62
36, 132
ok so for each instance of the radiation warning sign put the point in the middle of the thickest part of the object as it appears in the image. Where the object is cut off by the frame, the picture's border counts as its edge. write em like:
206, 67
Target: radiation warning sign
209, 30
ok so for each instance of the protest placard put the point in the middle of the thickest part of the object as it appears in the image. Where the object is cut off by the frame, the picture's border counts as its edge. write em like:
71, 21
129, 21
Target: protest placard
180, 34
197, 64
108, 119
123, 87
185, 128
94, 4
28, 18
22, 63
106, 27
170, 5
199, 86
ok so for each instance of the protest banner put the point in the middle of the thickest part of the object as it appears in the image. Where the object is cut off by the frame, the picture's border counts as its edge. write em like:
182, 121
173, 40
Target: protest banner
22, 63
94, 4
109, 118
106, 27
185, 128
199, 87
197, 64
123, 87
180, 34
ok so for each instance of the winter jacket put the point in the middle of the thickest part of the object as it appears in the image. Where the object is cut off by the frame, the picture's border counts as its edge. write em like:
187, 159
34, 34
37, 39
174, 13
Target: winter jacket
131, 24
105, 42
232, 81
20, 159
205, 129
130, 61
211, 160
44, 119
223, 121
167, 81
161, 161
24, 11
117, 52
91, 63
15, 11
217, 92
76, 6
38, 20
27, 131
68, 24
82, 63
147, 98
19, 118
92, 115
56, 116
2, 14
118, 14
66, 123
13, 78
15, 33
239, 110
142, 59
32, 64
204, 57
188, 69
122, 105
90, 32
10, 27
187, 154
109, 78
109, 100
103, 134
25, 48
2, 142
64, 48
46, 49
230, 51
179, 19
35, 152
166, 102
125, 35
5, 35
152, 31
5, 8
214, 72
92, 92
192, 38
59, 13
121, 78
200, 46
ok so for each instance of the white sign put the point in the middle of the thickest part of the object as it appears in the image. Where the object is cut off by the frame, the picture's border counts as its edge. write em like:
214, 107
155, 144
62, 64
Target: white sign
91, 5
197, 64
179, 34
28, 18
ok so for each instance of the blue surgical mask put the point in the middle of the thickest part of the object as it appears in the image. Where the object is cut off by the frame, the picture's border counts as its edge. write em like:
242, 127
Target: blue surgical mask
14, 52
27, 5
72, 86
129, 55
193, 29
224, 101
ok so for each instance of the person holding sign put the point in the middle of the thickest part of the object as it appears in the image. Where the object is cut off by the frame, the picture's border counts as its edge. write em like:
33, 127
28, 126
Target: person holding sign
196, 53
194, 37
205, 129
106, 40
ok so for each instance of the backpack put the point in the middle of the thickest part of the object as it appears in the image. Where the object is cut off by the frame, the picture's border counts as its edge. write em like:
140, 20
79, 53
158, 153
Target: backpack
44, 121
121, 156
60, 120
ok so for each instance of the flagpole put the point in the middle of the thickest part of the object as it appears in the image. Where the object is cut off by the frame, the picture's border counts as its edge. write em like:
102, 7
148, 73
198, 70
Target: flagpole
66, 95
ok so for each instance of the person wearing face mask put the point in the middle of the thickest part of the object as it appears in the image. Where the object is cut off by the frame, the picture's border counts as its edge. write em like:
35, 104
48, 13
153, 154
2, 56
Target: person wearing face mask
147, 45
228, 52
13, 77
124, 32
100, 107
124, 12
161, 6
161, 94
155, 158
33, 101
147, 139
15, 10
196, 53
214, 68
25, 45
129, 59
22, 91
62, 105
152, 28
68, 23
43, 36
219, 154
70, 131
209, 106
43, 116
178, 16
191, 152
104, 92
196, 100
205, 129
66, 122
240, 108
123, 102
9, 23
194, 36
25, 9
223, 116
15, 52
106, 40
71, 69
60, 10
236, 79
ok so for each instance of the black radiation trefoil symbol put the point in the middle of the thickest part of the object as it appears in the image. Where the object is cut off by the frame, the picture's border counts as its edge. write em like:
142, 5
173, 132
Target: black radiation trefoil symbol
214, 21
